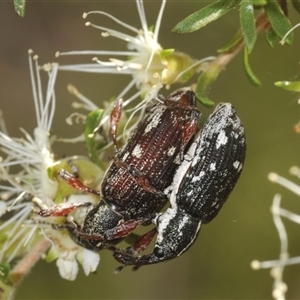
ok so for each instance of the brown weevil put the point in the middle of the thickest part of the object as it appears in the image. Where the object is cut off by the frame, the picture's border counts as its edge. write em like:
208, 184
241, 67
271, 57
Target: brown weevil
133, 186
201, 185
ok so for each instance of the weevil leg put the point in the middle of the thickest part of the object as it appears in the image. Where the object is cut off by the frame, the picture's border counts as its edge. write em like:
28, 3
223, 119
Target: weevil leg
75, 183
96, 237
143, 242
69, 225
73, 168
135, 268
118, 270
140, 245
120, 231
124, 229
125, 258
62, 209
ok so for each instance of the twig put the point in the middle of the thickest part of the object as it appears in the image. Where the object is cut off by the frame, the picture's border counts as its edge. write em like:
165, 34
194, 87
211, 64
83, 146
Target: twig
23, 267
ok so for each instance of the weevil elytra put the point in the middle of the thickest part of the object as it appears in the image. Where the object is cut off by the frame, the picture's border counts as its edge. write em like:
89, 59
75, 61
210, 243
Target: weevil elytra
200, 187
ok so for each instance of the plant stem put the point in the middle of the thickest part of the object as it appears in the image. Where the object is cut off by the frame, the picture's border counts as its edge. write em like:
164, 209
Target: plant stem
23, 267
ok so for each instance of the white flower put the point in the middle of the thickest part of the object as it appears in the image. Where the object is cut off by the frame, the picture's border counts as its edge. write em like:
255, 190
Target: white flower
277, 266
68, 254
24, 167
149, 65
68, 266
30, 156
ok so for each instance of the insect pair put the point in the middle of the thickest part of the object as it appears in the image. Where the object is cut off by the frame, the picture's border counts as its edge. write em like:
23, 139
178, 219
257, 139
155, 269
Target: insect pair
165, 159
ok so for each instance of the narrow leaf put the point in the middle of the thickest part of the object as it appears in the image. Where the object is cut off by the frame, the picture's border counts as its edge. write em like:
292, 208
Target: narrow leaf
4, 271
92, 121
291, 86
271, 37
296, 4
204, 99
166, 52
259, 3
205, 15
20, 7
248, 24
235, 40
251, 76
278, 20
205, 82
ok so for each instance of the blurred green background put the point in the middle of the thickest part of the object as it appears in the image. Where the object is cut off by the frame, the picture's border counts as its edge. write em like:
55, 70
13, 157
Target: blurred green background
218, 265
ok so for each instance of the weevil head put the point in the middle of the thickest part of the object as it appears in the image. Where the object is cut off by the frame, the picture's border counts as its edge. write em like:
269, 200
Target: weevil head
177, 231
93, 233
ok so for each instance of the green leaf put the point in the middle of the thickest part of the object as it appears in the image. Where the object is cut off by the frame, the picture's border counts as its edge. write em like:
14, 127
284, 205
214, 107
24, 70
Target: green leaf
278, 20
203, 86
291, 86
92, 121
248, 24
296, 4
271, 37
20, 7
259, 3
205, 15
204, 99
166, 52
4, 271
234, 41
251, 76
89, 174
205, 82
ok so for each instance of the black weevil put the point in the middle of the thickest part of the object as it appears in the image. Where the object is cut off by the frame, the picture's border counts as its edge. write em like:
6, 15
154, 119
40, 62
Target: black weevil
200, 187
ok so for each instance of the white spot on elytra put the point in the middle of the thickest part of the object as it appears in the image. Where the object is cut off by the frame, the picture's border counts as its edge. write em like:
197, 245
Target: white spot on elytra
236, 164
171, 151
190, 193
155, 120
197, 178
212, 166
177, 159
137, 151
222, 139
240, 167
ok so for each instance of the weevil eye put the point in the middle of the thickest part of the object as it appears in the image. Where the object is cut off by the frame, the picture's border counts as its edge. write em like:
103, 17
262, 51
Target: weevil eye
158, 252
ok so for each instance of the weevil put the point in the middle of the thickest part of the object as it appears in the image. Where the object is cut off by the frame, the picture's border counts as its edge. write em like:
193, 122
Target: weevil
200, 187
133, 186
